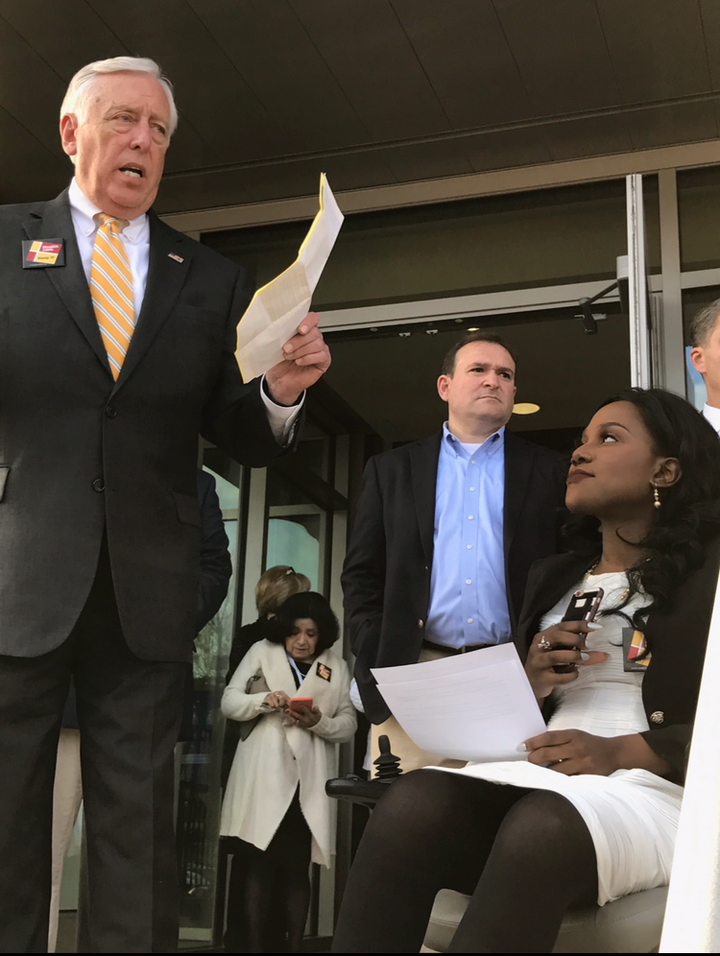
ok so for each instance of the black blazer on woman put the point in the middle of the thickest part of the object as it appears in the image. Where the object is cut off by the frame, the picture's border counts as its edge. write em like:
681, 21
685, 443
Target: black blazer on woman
676, 639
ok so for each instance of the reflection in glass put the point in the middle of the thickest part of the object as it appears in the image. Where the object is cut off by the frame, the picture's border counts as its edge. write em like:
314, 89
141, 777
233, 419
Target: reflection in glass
295, 542
198, 784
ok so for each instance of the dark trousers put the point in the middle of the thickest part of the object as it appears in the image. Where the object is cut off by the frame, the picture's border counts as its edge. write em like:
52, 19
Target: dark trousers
128, 713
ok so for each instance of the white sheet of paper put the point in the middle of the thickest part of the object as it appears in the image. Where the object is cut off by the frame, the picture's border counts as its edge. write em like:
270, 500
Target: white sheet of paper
692, 915
276, 309
476, 706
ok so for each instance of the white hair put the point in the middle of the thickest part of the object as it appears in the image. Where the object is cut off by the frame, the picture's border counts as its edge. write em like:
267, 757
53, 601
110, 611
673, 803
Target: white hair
77, 98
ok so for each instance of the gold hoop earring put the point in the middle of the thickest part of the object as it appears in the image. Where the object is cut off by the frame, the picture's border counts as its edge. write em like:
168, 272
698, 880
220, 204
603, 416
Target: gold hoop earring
656, 496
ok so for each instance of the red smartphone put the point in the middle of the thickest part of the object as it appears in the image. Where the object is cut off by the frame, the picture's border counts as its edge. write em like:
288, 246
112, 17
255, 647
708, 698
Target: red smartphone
583, 606
297, 702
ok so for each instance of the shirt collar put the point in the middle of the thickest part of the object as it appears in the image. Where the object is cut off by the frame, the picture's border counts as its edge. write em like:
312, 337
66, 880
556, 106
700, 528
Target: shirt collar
84, 212
713, 416
491, 446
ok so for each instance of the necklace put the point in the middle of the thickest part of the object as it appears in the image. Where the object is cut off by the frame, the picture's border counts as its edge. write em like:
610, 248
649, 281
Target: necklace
625, 594
593, 565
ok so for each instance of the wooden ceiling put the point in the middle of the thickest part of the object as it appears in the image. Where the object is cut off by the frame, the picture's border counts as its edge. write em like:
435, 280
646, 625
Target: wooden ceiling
374, 92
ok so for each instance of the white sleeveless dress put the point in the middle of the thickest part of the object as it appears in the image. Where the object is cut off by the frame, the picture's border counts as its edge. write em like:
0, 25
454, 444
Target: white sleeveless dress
632, 815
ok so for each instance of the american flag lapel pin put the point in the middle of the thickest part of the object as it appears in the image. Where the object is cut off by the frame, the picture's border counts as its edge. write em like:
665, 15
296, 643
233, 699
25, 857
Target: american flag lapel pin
177, 258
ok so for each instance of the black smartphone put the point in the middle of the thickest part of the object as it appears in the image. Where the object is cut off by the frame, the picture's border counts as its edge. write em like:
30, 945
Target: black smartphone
583, 606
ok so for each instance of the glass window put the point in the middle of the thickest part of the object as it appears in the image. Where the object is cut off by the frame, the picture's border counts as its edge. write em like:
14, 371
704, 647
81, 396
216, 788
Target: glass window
296, 530
200, 763
698, 203
520, 240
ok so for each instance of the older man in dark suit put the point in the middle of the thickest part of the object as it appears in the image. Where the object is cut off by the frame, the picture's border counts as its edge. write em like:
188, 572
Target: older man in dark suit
116, 348
446, 530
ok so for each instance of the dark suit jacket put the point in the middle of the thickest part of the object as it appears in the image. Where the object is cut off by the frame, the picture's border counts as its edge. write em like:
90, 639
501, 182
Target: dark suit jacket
215, 573
676, 640
386, 578
82, 455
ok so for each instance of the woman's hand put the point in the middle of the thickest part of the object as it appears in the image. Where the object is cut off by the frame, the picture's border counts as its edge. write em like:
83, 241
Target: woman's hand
276, 700
541, 659
303, 716
574, 751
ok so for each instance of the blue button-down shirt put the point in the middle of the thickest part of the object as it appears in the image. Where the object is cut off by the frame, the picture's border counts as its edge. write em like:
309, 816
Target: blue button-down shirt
468, 598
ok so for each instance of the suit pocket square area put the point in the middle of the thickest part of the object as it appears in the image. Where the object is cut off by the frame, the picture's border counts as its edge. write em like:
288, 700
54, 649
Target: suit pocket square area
188, 509
4, 472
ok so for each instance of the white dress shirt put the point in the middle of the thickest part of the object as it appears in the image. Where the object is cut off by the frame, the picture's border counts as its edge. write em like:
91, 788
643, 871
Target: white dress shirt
135, 237
713, 416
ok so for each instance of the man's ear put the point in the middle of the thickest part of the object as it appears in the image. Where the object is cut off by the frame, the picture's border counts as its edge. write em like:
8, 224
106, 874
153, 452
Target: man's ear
68, 133
443, 384
697, 359
668, 473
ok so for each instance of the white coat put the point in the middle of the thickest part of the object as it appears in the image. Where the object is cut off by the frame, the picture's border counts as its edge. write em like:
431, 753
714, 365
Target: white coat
276, 757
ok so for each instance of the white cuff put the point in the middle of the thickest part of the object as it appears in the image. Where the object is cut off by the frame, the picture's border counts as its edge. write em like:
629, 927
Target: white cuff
281, 418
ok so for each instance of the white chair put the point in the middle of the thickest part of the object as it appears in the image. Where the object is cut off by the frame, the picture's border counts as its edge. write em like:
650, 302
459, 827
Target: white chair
632, 924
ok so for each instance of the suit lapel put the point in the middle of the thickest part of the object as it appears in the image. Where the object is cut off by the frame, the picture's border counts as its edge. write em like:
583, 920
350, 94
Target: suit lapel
518, 468
166, 276
423, 472
53, 220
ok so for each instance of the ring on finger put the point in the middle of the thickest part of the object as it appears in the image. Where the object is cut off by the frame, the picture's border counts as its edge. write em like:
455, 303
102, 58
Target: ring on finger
544, 644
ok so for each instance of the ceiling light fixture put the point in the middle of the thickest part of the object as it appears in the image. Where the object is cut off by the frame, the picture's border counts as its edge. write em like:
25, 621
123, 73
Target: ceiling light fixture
525, 408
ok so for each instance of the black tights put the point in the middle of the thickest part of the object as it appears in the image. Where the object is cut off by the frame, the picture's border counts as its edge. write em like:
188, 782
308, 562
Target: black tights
270, 894
523, 855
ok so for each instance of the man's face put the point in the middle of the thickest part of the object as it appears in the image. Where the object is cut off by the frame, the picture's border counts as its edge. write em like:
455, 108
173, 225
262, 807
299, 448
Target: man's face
706, 359
120, 148
481, 390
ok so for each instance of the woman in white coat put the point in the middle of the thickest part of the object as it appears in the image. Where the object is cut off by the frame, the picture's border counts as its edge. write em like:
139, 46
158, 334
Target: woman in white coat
275, 799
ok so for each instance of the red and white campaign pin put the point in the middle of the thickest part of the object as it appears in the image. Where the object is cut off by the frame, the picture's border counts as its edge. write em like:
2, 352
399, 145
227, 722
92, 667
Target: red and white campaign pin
41, 253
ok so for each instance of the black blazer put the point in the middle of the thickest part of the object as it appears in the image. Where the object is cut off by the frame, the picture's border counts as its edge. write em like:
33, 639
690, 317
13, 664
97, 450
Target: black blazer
386, 578
215, 574
676, 639
82, 455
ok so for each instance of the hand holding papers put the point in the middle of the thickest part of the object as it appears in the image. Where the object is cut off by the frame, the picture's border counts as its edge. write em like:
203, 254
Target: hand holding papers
277, 309
476, 706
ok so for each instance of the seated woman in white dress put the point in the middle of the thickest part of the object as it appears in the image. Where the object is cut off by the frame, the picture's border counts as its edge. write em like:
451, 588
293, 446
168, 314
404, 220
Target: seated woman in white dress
592, 814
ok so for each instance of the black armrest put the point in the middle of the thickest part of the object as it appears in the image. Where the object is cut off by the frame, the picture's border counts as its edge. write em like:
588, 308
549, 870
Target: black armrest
355, 790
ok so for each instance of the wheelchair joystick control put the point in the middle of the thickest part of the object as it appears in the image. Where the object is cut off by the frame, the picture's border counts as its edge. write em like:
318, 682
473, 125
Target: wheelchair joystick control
388, 765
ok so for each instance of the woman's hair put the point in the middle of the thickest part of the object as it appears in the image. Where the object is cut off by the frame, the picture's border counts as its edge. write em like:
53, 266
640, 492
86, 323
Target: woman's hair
276, 585
307, 604
689, 512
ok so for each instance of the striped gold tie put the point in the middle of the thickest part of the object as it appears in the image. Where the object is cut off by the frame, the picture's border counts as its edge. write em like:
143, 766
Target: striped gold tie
111, 289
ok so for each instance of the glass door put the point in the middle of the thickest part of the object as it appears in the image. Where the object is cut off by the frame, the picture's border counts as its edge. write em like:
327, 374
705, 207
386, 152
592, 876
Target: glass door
200, 764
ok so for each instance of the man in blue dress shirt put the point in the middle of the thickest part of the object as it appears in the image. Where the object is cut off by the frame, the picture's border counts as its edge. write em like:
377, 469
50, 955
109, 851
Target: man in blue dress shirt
446, 530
